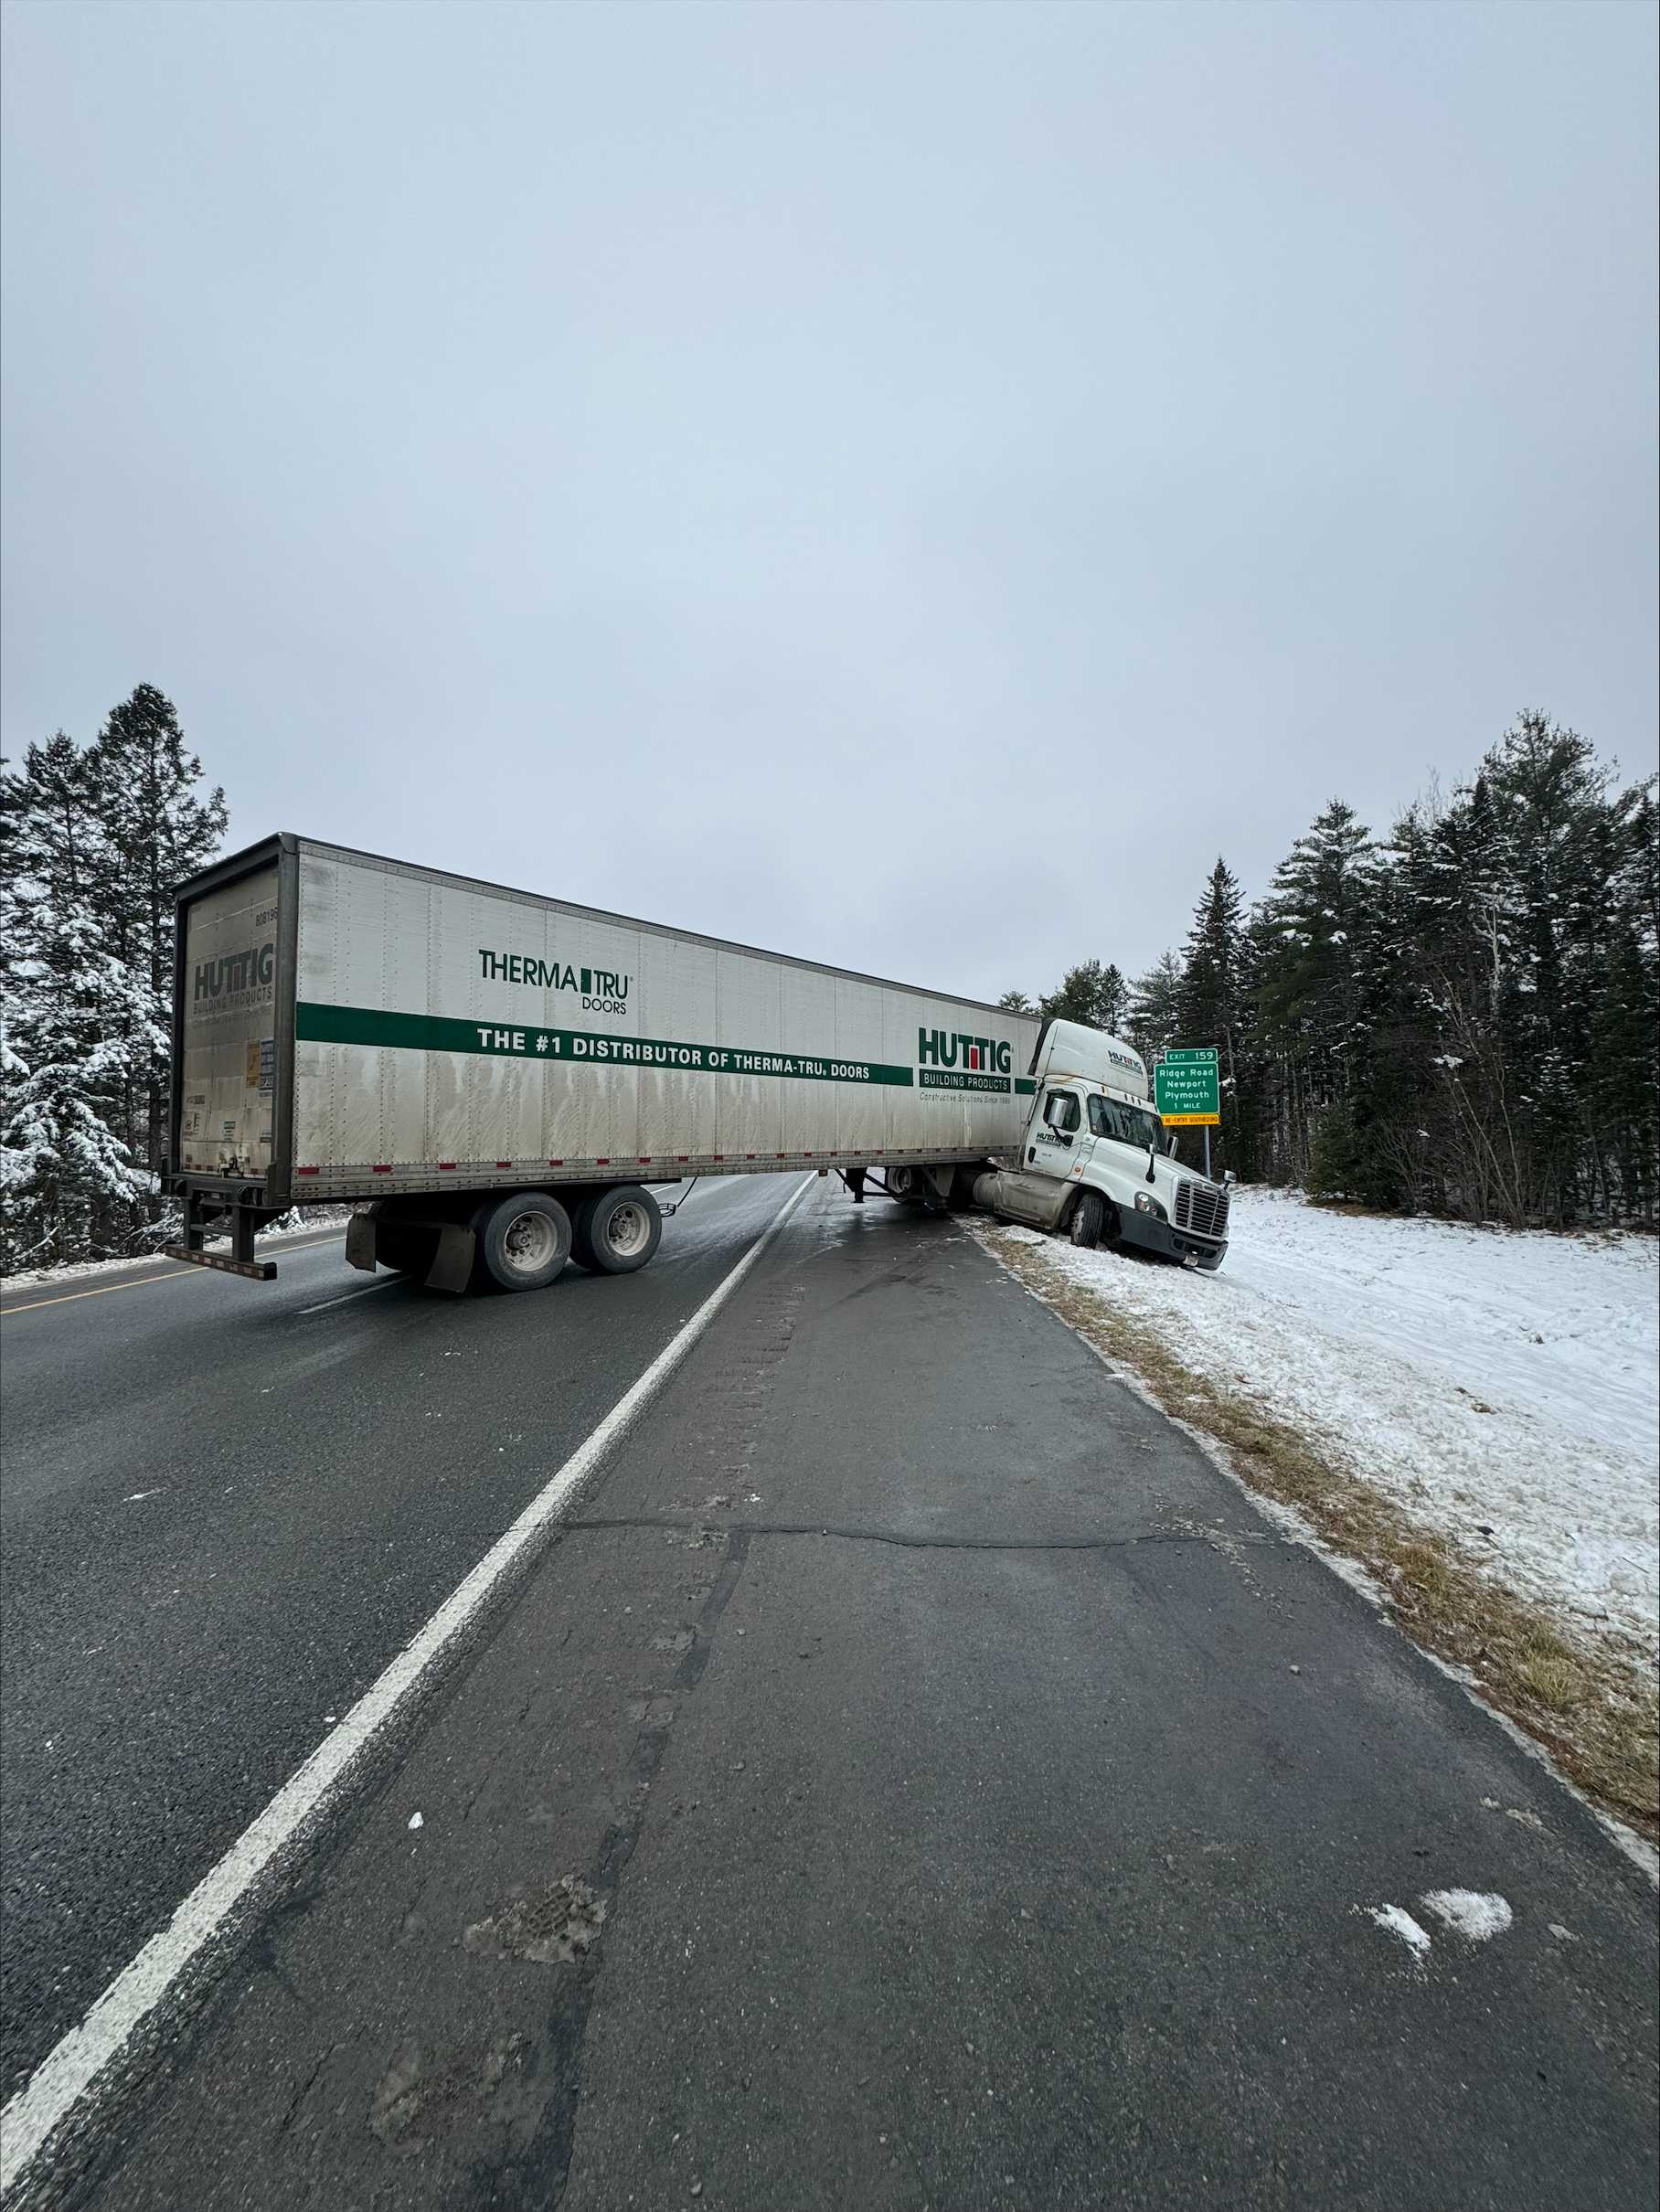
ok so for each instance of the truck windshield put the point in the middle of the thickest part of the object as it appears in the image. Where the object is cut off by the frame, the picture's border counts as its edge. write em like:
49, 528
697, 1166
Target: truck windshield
1126, 1125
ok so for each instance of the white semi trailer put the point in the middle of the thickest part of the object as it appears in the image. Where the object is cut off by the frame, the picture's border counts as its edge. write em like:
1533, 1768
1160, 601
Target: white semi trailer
504, 1077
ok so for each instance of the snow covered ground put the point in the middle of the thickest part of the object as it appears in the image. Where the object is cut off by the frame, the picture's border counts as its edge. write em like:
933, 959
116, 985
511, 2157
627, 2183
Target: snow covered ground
1503, 1388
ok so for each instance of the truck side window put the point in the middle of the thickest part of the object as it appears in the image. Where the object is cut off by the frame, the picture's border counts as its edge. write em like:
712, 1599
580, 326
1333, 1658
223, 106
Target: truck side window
1060, 1111
1099, 1125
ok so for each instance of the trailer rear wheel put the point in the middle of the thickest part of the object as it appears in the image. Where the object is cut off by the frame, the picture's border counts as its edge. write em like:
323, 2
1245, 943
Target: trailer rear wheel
524, 1239
1088, 1218
619, 1230
582, 1247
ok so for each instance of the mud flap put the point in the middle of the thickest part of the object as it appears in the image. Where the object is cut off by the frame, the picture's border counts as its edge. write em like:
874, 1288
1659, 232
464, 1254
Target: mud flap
451, 1268
360, 1242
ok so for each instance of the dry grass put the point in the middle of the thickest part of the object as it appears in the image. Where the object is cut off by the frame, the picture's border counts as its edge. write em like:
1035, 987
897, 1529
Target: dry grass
1595, 1711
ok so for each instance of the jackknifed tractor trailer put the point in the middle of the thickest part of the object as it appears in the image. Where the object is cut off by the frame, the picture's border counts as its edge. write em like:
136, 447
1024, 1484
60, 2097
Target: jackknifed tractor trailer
497, 1082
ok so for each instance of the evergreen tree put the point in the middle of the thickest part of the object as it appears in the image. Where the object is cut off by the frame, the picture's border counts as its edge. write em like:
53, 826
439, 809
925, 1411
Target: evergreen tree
159, 829
1154, 1013
1113, 1000
72, 1013
1017, 1002
1311, 936
1215, 1006
1090, 992
94, 843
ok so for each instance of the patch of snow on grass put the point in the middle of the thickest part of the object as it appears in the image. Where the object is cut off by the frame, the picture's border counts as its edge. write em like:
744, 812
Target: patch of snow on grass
1474, 1913
1501, 1386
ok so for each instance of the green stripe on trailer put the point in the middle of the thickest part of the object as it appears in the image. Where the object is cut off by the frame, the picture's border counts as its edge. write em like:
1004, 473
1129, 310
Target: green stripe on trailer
323, 1025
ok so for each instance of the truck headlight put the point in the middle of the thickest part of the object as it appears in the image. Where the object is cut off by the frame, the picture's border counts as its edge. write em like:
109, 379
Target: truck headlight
1144, 1205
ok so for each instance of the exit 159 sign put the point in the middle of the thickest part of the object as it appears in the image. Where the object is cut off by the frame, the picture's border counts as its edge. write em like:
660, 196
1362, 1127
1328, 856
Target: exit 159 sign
1187, 1088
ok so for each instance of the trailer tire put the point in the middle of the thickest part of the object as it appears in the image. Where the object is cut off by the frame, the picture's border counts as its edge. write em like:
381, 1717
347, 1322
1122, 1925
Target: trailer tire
619, 1230
524, 1239
581, 1243
1088, 1218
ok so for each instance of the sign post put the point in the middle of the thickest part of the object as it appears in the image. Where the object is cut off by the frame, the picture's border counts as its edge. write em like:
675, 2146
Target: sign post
1186, 1090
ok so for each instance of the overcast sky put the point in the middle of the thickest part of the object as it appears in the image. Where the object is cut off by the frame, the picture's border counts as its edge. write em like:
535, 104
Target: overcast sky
902, 484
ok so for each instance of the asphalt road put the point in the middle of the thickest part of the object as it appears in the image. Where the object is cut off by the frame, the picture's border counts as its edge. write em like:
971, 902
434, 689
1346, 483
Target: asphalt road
914, 1778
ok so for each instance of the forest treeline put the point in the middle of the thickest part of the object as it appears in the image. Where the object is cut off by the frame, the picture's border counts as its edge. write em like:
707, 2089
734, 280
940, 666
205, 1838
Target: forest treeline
1461, 1016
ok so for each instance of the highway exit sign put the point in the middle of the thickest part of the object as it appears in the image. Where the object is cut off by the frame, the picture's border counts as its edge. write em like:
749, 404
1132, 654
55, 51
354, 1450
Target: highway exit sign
1186, 1088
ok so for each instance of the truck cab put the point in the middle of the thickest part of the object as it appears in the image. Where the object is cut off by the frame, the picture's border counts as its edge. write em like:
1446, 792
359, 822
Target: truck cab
1095, 1158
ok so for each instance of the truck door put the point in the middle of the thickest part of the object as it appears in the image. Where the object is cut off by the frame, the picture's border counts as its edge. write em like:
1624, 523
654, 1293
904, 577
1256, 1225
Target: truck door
1054, 1138
227, 1056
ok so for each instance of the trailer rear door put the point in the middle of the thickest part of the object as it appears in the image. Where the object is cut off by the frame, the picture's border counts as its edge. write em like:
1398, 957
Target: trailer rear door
228, 1059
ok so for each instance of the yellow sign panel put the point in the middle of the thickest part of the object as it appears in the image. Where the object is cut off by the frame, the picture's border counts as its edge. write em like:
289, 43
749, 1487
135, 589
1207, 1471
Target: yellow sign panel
1191, 1120
254, 1063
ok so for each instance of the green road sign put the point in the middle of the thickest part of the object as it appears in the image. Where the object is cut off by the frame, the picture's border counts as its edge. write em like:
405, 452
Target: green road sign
1186, 1090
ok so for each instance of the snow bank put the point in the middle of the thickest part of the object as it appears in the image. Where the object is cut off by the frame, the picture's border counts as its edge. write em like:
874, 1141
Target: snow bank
1501, 1386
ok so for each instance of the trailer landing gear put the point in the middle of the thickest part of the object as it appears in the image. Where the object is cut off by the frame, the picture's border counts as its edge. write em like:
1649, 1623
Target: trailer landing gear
926, 1187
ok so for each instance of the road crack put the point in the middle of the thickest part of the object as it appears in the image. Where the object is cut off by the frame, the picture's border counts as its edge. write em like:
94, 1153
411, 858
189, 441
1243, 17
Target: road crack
906, 1540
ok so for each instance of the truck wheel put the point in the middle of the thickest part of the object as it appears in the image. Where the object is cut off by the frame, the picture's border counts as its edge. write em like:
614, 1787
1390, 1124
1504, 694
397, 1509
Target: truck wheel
1088, 1218
524, 1239
620, 1229
581, 1243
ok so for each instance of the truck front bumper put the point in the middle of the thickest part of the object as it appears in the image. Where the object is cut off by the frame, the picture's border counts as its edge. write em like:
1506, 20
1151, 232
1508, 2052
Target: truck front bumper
1148, 1233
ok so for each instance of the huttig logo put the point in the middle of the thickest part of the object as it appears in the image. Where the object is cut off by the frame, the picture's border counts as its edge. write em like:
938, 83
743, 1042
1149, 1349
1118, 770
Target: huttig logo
232, 982
953, 1049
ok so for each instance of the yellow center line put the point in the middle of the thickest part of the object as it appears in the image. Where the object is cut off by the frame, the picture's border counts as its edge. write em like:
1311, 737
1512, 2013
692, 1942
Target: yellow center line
173, 1275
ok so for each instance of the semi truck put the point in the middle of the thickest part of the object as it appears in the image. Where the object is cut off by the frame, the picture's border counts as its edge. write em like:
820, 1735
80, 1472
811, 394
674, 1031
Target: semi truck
497, 1082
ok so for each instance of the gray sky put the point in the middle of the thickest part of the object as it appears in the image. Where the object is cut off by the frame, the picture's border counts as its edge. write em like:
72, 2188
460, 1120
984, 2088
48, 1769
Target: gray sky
903, 484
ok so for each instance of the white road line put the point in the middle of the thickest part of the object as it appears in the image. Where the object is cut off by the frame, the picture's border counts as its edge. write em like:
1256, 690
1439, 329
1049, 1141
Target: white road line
346, 1297
67, 2074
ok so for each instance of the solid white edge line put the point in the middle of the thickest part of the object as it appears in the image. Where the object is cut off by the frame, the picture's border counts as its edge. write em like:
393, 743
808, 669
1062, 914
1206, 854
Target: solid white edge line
71, 2071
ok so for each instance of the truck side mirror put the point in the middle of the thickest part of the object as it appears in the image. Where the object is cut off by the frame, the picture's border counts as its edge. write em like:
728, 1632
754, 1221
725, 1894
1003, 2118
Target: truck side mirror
1152, 1156
1229, 1177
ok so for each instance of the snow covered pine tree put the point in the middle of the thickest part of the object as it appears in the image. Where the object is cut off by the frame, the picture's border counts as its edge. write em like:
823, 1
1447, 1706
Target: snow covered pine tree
94, 841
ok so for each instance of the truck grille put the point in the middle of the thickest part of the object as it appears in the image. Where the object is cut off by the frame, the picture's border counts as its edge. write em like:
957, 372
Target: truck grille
1201, 1208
